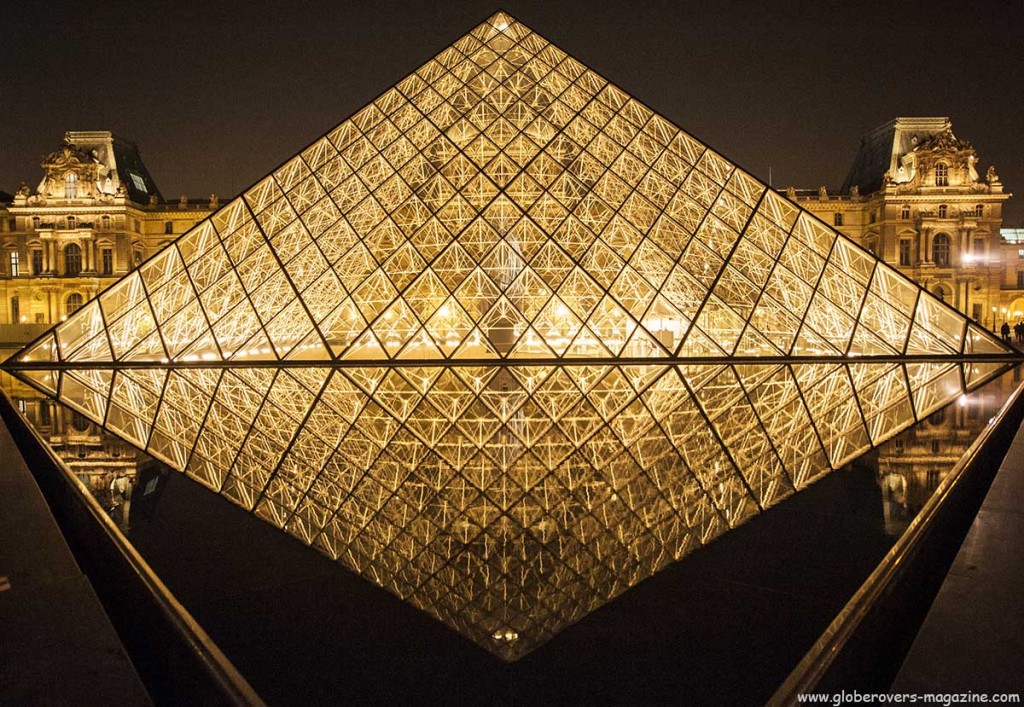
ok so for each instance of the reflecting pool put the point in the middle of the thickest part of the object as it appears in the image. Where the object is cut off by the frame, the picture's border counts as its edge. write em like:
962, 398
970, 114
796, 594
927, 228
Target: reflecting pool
726, 623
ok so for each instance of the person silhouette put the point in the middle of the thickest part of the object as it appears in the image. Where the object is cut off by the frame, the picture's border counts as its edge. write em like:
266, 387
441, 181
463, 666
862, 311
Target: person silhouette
1005, 331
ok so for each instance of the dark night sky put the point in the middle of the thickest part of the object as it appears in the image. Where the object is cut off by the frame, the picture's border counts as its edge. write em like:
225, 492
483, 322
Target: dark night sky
216, 94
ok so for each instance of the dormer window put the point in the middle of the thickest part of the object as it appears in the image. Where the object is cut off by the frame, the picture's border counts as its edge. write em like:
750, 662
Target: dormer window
905, 211
941, 175
943, 211
70, 185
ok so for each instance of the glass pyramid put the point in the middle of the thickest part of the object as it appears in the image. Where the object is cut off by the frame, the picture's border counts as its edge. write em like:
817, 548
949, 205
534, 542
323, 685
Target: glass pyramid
506, 342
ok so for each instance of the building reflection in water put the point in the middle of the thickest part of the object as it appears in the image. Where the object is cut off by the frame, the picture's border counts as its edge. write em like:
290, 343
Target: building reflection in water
908, 468
911, 465
106, 465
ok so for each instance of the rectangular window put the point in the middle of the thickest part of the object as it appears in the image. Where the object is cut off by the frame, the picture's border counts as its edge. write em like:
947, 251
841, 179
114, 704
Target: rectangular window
904, 251
169, 227
44, 413
1020, 279
37, 262
12, 224
15, 264
1020, 253
15, 310
837, 219
905, 212
976, 311
979, 246
108, 261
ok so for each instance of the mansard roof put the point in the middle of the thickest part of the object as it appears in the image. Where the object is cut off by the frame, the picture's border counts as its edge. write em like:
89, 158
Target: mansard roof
114, 164
881, 149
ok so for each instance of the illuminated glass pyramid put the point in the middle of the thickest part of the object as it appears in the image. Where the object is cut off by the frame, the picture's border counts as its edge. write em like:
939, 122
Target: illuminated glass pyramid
506, 342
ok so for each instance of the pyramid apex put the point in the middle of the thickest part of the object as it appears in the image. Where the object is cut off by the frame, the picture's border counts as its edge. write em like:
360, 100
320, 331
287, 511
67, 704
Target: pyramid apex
501, 17
500, 22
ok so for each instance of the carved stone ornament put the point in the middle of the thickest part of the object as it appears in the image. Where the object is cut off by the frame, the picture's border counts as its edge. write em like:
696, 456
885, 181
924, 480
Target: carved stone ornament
945, 141
70, 159
67, 157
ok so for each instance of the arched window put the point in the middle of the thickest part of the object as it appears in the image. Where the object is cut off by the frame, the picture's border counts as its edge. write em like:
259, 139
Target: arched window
72, 304
72, 260
70, 185
941, 175
79, 422
943, 211
905, 211
168, 227
105, 223
979, 210
940, 250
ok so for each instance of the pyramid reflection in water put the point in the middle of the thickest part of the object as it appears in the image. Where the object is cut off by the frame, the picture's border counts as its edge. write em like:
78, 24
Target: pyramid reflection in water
507, 342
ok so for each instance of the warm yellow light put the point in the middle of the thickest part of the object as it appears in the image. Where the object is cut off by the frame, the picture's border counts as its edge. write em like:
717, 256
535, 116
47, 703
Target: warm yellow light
545, 230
